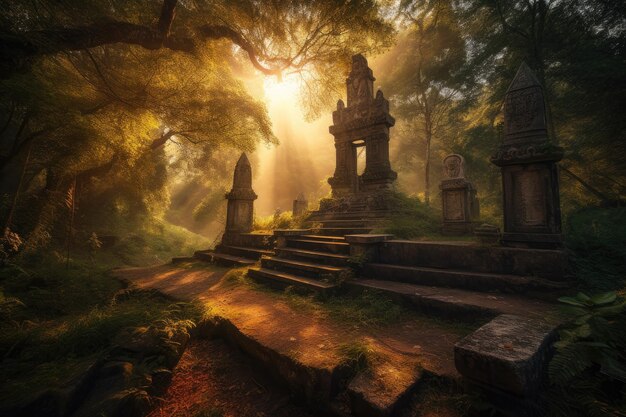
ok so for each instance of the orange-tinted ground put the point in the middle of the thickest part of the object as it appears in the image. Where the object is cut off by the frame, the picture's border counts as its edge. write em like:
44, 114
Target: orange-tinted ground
213, 379
399, 352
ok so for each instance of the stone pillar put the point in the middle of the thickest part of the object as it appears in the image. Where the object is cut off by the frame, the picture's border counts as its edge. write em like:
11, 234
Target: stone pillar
527, 158
458, 196
240, 209
300, 206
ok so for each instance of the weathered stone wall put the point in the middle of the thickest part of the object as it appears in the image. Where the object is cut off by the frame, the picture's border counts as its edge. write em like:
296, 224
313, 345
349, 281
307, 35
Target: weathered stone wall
550, 264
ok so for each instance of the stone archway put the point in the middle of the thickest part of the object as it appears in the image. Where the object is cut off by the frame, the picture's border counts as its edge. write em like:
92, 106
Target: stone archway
366, 121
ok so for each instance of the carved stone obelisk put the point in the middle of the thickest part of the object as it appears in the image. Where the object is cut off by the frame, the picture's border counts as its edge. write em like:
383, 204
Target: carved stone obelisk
527, 158
458, 195
240, 209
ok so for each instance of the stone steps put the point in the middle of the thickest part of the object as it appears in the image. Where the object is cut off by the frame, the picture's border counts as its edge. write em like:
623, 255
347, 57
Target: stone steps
457, 303
342, 231
318, 245
324, 258
283, 279
296, 267
323, 238
360, 222
438, 277
244, 252
230, 260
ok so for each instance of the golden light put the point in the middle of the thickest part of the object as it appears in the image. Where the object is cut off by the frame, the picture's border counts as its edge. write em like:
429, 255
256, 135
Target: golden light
285, 90
304, 156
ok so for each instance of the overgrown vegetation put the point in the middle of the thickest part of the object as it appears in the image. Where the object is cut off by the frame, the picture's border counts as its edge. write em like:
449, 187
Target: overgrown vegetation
56, 321
412, 219
588, 372
596, 238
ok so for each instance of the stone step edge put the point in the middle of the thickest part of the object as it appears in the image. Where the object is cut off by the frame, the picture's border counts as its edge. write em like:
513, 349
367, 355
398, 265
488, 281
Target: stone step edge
283, 280
329, 383
312, 266
516, 280
433, 304
311, 253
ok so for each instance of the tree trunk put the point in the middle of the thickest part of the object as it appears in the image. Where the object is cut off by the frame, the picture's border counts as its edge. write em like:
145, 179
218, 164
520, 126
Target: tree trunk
429, 137
9, 220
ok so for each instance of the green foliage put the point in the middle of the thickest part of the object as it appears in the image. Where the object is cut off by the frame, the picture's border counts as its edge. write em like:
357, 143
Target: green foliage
590, 357
411, 218
279, 220
56, 322
357, 354
369, 309
596, 238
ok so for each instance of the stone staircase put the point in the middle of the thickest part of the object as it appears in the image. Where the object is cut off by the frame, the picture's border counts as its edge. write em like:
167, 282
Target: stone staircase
246, 251
307, 262
450, 279
346, 223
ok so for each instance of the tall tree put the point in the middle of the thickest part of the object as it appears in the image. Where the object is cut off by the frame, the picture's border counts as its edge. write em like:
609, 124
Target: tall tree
577, 49
424, 82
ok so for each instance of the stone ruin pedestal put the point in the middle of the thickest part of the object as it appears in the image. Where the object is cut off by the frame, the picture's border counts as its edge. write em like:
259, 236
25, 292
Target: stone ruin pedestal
458, 196
240, 209
527, 158
300, 206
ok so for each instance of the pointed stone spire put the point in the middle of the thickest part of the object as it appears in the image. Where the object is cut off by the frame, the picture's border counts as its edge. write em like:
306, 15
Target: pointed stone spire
524, 78
524, 109
243, 173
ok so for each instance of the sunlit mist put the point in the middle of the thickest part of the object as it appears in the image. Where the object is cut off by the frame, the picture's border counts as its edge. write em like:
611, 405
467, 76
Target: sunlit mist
303, 159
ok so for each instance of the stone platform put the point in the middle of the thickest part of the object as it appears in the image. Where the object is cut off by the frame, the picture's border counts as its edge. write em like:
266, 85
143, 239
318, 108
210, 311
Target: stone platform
304, 348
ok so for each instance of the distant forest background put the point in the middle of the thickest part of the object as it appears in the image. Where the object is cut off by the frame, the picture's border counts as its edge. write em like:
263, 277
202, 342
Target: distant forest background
121, 118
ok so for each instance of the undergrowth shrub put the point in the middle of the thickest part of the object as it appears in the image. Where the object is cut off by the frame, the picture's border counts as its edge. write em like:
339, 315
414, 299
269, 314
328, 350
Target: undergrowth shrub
281, 220
596, 238
412, 218
588, 371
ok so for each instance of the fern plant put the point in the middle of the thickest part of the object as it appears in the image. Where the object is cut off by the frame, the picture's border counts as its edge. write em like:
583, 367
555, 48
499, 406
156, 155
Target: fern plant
590, 357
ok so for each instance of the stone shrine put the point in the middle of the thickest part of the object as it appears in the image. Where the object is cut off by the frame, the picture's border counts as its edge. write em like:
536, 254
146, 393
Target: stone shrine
300, 206
240, 210
527, 158
363, 122
458, 196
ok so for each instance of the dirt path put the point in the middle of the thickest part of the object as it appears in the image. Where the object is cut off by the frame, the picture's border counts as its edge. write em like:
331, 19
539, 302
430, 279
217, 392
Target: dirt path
214, 380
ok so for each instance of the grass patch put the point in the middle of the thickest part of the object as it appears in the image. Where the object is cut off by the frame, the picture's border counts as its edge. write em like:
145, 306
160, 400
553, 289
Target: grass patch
358, 354
57, 321
412, 218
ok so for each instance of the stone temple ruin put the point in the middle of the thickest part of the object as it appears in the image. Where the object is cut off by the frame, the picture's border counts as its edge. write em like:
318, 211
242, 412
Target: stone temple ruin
459, 203
464, 280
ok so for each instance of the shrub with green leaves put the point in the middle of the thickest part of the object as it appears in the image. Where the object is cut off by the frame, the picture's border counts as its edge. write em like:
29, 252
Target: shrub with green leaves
588, 371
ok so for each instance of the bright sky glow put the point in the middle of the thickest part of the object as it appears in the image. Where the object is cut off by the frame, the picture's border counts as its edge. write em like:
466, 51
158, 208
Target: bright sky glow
303, 159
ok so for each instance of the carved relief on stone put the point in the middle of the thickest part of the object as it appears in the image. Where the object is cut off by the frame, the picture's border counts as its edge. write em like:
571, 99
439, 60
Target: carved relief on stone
453, 166
530, 201
523, 110
453, 205
360, 82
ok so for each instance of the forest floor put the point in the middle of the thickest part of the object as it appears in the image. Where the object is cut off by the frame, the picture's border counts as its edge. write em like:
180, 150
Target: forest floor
399, 346
214, 380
